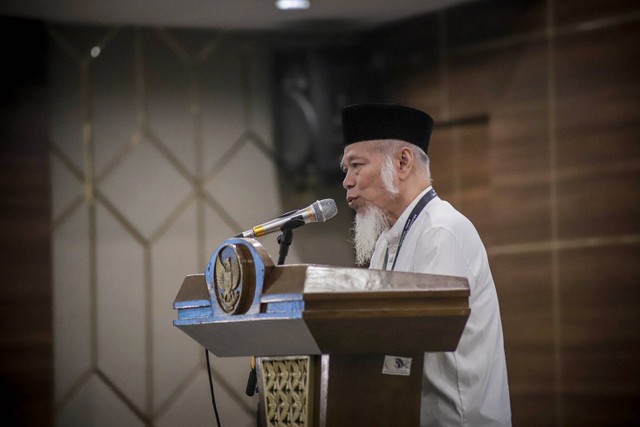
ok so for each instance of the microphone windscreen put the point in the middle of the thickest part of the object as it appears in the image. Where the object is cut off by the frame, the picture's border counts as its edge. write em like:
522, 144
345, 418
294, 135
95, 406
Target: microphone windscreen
325, 209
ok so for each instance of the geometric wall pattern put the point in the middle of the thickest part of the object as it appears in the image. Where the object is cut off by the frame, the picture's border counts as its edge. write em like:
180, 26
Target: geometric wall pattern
160, 150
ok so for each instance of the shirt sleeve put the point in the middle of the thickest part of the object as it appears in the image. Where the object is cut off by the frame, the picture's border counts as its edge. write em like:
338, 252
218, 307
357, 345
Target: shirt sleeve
438, 252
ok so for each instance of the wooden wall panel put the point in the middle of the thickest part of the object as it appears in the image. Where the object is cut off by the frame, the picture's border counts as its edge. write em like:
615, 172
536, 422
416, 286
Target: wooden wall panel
600, 305
526, 307
598, 106
477, 22
460, 169
469, 85
424, 91
442, 152
473, 196
520, 152
519, 111
509, 88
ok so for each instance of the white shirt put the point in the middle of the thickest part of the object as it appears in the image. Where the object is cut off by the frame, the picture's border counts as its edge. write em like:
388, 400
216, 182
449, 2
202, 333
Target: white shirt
467, 387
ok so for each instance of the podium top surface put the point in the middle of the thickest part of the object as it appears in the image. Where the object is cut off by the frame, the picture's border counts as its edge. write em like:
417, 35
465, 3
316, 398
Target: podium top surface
316, 280
310, 309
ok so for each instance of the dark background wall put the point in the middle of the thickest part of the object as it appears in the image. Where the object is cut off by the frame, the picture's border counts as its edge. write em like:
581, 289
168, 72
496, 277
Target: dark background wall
25, 233
538, 105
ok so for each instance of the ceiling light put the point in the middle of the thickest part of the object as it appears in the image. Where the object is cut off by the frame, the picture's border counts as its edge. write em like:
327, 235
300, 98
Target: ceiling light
293, 4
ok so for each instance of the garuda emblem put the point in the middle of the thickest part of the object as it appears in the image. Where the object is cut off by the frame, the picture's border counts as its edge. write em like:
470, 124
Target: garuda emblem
228, 279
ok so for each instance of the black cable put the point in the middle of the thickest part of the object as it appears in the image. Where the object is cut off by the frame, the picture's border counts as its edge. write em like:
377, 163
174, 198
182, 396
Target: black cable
213, 396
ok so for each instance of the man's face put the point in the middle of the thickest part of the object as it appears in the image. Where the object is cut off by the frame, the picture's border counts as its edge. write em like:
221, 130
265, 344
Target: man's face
362, 165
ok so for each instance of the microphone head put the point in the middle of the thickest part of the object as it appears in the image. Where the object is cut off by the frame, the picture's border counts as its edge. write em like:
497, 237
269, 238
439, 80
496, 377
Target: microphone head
324, 209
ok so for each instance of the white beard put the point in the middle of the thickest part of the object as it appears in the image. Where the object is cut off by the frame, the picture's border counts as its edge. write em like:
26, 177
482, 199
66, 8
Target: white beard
368, 226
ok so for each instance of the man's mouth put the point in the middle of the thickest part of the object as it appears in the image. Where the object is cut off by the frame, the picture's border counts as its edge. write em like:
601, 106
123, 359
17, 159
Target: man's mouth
351, 201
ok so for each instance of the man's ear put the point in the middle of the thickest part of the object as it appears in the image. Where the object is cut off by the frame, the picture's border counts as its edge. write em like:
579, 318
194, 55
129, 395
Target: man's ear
406, 162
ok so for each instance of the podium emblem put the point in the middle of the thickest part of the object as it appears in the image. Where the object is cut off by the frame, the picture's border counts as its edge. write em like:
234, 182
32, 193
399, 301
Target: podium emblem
232, 282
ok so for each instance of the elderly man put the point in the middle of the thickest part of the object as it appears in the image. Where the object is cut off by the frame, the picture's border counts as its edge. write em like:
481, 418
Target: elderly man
401, 224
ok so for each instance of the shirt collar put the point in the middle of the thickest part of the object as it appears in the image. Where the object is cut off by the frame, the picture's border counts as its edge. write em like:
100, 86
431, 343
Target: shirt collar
392, 235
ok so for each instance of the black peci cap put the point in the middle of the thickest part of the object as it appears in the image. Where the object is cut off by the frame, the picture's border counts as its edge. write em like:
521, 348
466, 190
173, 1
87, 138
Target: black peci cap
366, 122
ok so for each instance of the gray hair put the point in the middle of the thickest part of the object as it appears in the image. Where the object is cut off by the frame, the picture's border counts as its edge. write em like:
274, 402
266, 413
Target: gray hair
389, 147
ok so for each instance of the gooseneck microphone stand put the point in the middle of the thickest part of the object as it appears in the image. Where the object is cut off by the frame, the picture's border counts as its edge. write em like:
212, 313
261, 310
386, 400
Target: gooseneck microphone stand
286, 238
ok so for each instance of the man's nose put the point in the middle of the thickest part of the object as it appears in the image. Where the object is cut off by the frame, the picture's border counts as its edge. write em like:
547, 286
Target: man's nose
348, 181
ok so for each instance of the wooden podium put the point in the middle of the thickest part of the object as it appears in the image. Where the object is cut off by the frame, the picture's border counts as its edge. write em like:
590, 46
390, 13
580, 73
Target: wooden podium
334, 346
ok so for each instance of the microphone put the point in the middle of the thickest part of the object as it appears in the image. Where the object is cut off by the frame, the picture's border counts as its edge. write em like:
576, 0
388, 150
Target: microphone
320, 211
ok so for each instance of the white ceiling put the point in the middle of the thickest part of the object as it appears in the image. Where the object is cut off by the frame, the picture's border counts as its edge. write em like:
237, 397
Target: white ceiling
222, 14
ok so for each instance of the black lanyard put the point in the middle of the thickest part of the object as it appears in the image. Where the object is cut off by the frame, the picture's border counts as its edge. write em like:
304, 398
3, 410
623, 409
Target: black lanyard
424, 200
